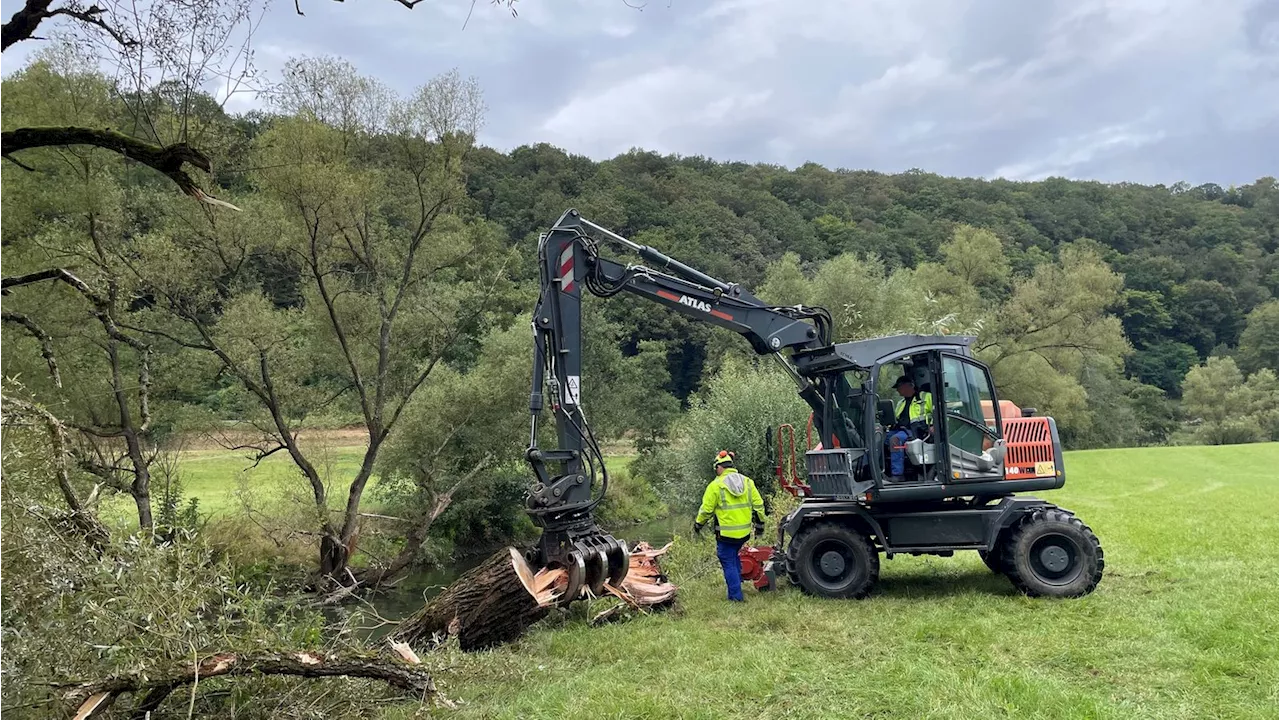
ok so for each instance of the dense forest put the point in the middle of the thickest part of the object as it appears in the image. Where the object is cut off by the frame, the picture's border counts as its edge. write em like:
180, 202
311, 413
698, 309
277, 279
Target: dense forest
353, 259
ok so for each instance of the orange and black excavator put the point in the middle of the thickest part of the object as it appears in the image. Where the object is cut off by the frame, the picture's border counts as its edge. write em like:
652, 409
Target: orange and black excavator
962, 471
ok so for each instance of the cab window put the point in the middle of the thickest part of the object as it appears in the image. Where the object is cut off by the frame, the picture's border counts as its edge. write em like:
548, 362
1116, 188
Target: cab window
966, 390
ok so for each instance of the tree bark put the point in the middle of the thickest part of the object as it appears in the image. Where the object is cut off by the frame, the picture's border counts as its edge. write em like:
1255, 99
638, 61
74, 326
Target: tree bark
23, 23
91, 698
168, 160
492, 604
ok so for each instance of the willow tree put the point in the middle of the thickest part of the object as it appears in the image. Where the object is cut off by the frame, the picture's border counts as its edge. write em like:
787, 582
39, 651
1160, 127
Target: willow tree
361, 200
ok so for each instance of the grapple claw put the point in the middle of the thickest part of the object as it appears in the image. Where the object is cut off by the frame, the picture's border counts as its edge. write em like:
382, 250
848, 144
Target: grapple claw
576, 573
597, 564
619, 562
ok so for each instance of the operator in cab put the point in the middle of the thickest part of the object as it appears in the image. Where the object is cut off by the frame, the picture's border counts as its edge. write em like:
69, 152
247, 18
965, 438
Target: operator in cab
735, 503
912, 417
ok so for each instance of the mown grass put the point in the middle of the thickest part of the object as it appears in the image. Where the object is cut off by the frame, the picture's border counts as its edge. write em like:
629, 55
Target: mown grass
1183, 625
216, 476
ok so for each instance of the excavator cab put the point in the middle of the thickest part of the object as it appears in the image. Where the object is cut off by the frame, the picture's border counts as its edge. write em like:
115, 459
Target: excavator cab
960, 447
962, 441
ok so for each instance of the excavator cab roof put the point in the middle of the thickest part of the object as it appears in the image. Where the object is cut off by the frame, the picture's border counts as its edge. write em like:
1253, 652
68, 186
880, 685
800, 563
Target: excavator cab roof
873, 351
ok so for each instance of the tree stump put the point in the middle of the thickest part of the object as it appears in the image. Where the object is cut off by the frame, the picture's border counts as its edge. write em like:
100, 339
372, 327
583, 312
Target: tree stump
492, 604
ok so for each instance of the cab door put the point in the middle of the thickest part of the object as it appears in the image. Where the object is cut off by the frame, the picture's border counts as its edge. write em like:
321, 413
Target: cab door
975, 448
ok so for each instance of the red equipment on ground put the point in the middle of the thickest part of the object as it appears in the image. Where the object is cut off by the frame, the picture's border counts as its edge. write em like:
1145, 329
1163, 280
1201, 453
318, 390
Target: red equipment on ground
755, 567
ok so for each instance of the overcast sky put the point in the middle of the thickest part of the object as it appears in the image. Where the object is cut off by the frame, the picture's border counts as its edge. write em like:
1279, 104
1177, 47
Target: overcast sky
1152, 91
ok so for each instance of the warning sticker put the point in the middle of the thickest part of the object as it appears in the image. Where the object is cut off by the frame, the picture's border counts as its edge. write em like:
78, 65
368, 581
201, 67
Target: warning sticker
571, 390
1044, 468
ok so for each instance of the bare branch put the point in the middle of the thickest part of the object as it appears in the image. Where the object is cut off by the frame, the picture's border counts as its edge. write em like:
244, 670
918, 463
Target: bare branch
93, 16
50, 274
22, 165
264, 454
22, 25
46, 342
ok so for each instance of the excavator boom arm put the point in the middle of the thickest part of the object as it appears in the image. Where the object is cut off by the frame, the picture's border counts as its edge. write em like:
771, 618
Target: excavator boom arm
563, 494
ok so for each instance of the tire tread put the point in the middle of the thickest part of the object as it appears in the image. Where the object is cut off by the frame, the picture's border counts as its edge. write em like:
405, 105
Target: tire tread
1025, 525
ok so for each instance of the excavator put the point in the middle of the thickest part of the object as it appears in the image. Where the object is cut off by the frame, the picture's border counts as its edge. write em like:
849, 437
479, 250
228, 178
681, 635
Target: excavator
963, 469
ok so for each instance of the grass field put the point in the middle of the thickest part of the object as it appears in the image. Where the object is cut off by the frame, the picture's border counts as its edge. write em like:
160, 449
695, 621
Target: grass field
1183, 625
214, 476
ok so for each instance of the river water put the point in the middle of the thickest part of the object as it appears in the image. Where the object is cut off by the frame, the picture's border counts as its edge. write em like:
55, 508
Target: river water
426, 583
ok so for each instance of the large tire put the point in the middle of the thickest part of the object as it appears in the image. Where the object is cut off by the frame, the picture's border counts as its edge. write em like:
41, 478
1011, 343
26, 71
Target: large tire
833, 560
994, 560
1051, 553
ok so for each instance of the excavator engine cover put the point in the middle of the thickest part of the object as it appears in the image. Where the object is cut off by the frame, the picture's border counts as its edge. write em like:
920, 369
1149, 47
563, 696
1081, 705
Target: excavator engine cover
757, 567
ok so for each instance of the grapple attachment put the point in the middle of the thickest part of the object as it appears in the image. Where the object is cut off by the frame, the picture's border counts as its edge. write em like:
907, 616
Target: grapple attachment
590, 557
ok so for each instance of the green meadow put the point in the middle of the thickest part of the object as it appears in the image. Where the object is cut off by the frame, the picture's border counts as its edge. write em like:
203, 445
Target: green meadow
1183, 625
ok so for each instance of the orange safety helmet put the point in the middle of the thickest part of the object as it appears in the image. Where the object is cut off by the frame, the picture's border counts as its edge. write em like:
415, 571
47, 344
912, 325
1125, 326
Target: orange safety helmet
725, 457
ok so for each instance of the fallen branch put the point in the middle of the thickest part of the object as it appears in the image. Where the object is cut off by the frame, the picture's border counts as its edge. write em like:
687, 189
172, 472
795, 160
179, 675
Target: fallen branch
90, 698
81, 518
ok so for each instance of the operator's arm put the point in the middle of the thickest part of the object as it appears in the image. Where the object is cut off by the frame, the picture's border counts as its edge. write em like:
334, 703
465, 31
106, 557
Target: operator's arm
709, 500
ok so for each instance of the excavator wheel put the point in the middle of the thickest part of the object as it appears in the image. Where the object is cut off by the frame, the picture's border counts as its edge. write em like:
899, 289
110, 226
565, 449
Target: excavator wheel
1052, 553
833, 560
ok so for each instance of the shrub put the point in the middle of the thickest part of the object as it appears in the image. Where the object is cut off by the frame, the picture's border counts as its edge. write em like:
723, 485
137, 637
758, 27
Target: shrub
741, 402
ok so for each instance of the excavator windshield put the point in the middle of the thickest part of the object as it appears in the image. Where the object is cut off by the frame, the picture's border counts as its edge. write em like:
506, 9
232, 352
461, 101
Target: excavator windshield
847, 404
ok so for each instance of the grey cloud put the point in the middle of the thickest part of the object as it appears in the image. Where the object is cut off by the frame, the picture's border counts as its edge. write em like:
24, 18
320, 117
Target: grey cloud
1137, 90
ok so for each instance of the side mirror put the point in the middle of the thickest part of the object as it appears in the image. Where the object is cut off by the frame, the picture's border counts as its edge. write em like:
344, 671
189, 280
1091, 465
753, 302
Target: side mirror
1028, 412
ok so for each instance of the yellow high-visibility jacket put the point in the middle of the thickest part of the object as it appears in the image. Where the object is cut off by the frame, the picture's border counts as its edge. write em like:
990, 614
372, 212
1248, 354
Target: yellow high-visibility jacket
921, 407
733, 498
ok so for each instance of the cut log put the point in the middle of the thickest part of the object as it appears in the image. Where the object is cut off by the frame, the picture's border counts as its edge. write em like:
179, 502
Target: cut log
492, 604
497, 601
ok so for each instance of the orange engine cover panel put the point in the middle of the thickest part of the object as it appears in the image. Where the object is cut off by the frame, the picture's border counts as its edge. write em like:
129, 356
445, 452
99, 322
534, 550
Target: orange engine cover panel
1030, 453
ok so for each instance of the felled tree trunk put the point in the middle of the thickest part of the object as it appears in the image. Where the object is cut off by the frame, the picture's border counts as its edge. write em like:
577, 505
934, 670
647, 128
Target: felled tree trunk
492, 604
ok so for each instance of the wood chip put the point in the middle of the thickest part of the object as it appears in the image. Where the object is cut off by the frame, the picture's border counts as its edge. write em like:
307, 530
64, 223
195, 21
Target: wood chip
405, 652
91, 706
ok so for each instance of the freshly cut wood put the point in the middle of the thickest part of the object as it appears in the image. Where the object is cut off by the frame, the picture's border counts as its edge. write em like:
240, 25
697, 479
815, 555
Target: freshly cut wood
90, 699
645, 584
492, 604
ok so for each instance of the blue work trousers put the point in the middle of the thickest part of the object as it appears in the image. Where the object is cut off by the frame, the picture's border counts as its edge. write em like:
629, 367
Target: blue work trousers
897, 451
727, 554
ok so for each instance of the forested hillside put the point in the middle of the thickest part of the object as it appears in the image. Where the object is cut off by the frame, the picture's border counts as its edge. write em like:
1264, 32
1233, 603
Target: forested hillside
196, 303
1195, 262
